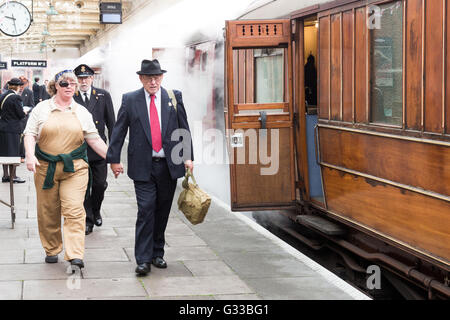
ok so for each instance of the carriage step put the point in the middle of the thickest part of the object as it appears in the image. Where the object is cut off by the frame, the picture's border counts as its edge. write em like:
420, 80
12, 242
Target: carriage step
321, 224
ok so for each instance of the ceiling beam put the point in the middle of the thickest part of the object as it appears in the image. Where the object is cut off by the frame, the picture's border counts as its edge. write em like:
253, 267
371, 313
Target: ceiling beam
73, 26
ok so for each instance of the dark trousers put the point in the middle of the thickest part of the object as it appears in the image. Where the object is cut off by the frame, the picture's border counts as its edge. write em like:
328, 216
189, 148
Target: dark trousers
154, 200
92, 204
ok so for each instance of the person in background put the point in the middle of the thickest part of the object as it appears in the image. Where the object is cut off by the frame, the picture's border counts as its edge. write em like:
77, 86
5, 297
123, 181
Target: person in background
99, 103
36, 91
151, 118
26, 94
311, 81
56, 138
11, 115
28, 105
44, 93
5, 87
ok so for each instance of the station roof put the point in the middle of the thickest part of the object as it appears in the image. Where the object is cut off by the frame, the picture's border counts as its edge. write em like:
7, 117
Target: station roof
75, 24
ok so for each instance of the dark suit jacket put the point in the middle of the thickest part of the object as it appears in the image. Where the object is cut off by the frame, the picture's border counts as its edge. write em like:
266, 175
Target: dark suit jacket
11, 113
36, 92
43, 93
102, 110
133, 115
28, 98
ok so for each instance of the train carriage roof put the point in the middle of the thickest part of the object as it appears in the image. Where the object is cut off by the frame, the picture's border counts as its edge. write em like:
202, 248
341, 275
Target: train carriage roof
275, 9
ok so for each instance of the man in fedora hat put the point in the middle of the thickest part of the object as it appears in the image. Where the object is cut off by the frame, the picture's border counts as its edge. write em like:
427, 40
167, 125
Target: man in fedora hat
99, 104
155, 159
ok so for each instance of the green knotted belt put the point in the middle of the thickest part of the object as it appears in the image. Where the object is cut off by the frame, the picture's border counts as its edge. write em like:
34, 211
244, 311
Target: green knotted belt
67, 159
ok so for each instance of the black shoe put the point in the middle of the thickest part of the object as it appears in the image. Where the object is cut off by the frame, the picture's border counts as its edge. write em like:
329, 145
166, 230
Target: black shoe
19, 180
98, 222
5, 179
143, 268
88, 230
51, 259
77, 262
159, 262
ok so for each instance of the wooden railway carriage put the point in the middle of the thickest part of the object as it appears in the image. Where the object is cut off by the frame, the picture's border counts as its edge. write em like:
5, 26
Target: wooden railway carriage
373, 157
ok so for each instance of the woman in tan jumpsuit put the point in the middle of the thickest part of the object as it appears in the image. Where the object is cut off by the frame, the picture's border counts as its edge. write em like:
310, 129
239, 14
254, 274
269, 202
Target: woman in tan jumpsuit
55, 143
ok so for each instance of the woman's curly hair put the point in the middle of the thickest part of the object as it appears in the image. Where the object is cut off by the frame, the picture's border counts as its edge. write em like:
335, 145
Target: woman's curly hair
65, 74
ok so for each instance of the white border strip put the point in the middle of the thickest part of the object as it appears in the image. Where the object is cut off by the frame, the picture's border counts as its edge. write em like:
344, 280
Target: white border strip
328, 275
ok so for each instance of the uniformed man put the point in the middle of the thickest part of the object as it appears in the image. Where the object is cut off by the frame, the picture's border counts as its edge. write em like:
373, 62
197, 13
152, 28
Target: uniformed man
99, 104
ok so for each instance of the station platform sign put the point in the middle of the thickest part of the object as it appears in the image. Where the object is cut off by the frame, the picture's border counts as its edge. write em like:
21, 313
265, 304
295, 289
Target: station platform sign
29, 63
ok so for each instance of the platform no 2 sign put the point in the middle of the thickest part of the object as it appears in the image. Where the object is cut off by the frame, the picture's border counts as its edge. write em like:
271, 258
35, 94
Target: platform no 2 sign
29, 63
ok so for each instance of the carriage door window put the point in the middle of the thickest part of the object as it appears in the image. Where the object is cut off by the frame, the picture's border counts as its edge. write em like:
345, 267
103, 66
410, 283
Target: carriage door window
386, 64
269, 75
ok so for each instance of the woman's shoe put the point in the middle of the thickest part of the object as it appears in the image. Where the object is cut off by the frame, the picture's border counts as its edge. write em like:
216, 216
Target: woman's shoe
77, 262
51, 259
18, 180
5, 179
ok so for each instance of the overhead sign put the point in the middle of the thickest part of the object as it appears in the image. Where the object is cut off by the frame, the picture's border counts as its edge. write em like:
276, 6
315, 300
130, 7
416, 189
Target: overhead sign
3, 65
29, 63
111, 6
110, 12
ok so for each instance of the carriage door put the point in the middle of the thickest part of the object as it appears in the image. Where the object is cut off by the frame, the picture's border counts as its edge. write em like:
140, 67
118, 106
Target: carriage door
258, 114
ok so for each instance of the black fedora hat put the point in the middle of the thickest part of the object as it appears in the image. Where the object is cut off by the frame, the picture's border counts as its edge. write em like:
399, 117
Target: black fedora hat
15, 82
150, 67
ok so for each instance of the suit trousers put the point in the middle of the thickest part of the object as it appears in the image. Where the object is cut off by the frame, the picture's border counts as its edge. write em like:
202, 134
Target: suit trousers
93, 203
154, 200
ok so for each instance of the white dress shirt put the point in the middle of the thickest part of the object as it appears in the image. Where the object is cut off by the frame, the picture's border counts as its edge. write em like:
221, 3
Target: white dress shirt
158, 109
88, 94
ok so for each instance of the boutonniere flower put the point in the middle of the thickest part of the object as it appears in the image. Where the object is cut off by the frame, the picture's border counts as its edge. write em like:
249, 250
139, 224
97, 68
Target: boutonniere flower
170, 104
93, 91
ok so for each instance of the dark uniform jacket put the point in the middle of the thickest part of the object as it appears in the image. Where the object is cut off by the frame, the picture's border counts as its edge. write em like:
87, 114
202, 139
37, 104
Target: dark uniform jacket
36, 93
28, 98
44, 93
102, 110
11, 113
133, 115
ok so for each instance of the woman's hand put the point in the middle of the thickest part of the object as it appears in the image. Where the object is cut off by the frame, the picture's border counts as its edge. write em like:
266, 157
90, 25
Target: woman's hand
32, 162
29, 142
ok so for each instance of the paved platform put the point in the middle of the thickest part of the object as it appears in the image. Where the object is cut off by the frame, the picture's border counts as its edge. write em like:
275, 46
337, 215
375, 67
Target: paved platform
227, 257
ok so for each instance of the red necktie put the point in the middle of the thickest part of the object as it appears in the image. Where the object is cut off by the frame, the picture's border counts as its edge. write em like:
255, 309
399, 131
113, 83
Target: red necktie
154, 125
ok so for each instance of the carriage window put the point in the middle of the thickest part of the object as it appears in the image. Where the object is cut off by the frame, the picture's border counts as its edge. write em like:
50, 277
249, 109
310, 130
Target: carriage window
386, 74
269, 75
259, 75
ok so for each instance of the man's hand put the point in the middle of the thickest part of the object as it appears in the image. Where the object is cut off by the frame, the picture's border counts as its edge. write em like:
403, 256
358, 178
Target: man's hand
189, 164
117, 168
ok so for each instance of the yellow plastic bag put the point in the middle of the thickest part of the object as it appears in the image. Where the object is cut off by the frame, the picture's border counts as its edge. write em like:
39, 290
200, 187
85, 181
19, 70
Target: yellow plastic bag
193, 201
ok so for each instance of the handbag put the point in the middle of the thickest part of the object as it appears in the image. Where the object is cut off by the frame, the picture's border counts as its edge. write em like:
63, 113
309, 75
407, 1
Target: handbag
193, 201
